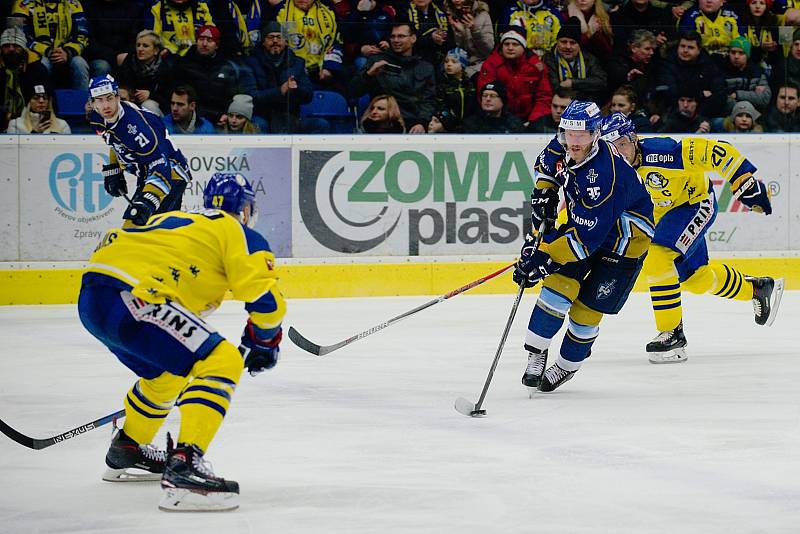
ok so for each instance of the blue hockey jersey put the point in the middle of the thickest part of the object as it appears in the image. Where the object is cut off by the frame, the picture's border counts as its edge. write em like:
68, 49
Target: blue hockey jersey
608, 206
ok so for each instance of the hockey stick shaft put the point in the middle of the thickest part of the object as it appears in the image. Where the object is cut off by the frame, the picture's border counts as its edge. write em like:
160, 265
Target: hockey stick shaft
36, 444
321, 350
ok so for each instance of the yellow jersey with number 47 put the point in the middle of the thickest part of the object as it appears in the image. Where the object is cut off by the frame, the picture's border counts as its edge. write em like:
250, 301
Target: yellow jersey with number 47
674, 172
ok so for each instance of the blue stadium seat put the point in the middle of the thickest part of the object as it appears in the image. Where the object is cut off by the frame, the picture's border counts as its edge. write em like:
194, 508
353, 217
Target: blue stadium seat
361, 107
70, 102
331, 106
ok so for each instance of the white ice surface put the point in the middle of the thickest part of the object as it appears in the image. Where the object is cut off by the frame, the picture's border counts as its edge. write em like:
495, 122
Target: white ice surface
366, 440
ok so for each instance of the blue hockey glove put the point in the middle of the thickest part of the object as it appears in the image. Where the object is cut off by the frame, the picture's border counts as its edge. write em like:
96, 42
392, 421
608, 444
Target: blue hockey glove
114, 180
544, 208
753, 194
533, 265
259, 354
143, 205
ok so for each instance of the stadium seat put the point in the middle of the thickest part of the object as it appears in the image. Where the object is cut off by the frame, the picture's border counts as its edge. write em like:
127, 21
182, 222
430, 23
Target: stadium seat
71, 102
331, 106
361, 107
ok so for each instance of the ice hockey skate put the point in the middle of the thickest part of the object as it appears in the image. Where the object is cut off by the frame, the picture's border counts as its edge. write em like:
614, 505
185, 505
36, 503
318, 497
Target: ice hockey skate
554, 377
668, 347
128, 461
537, 360
767, 294
189, 484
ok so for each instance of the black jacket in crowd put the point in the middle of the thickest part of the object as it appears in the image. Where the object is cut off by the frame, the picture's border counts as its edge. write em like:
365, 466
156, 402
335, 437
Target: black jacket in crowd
113, 25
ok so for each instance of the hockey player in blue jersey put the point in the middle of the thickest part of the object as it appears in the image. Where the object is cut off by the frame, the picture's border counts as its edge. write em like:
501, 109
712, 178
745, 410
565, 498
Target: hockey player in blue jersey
675, 174
144, 294
589, 262
140, 145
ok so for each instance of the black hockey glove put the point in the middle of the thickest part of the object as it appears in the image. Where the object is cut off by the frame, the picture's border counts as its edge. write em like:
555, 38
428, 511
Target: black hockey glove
259, 354
533, 265
143, 205
114, 180
544, 208
753, 194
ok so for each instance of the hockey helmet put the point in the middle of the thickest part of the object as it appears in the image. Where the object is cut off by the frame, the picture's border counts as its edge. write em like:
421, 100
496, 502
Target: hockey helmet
617, 125
231, 193
103, 85
580, 116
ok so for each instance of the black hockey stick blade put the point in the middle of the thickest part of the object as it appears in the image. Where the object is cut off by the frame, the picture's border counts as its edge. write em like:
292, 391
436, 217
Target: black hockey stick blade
36, 444
304, 343
463, 406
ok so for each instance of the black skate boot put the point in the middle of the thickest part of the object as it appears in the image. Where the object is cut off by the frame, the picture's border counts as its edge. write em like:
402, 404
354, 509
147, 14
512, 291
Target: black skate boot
668, 347
189, 484
767, 293
128, 461
554, 377
536, 362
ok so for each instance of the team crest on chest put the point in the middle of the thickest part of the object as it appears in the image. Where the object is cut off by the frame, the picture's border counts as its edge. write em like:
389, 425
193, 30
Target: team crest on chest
592, 176
656, 180
132, 129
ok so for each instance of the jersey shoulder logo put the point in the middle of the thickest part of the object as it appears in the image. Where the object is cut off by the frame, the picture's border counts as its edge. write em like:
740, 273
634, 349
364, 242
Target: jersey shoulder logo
656, 180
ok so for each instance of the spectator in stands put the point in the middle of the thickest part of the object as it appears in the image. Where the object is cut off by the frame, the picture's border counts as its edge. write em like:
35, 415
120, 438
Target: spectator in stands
434, 35
125, 93
642, 14
231, 17
454, 90
685, 116
240, 116
716, 25
313, 36
760, 26
405, 76
216, 78
541, 21
562, 97
177, 22
571, 67
19, 67
688, 65
112, 28
282, 84
183, 117
744, 81
492, 117
596, 36
783, 116
365, 31
637, 67
38, 116
59, 34
472, 31
443, 121
742, 119
382, 116
626, 101
522, 74
147, 72
788, 68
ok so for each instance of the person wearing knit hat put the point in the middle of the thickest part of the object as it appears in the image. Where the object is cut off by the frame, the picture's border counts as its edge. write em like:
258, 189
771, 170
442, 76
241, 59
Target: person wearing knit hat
571, 29
742, 44
497, 87
516, 33
208, 40
38, 115
240, 116
460, 55
742, 119
13, 35
443, 121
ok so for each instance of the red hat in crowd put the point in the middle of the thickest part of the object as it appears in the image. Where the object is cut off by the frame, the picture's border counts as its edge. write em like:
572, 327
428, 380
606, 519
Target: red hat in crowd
211, 32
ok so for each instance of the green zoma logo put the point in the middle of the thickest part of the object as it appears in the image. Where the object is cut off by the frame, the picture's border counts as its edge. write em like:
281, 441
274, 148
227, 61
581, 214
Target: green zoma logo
353, 201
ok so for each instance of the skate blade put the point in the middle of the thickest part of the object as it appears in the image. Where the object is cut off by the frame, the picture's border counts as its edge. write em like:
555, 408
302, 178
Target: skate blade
672, 356
184, 500
130, 475
775, 301
532, 391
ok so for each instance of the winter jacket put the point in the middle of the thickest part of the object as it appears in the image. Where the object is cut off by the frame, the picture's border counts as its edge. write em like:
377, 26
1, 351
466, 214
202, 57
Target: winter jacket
478, 40
627, 19
414, 87
159, 82
593, 86
456, 95
269, 102
484, 124
778, 122
68, 31
618, 67
701, 75
113, 27
426, 23
216, 79
361, 28
13, 82
744, 83
527, 85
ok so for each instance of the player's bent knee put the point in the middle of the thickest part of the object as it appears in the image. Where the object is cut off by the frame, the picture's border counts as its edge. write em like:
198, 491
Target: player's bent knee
702, 281
584, 315
224, 361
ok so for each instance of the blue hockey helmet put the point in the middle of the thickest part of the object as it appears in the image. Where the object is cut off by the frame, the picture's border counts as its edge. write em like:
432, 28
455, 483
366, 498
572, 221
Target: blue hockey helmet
230, 192
103, 85
580, 116
617, 125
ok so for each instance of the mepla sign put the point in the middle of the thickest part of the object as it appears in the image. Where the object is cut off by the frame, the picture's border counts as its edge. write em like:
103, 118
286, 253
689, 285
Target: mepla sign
412, 202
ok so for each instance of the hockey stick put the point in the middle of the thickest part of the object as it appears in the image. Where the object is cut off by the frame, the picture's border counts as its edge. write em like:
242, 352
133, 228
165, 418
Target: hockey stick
36, 444
320, 350
464, 406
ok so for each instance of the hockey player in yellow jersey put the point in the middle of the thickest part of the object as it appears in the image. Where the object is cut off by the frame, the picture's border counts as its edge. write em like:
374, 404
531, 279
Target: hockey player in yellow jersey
685, 206
144, 294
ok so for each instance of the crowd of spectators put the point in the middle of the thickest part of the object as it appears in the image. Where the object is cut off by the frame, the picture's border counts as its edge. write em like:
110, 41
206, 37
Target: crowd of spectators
409, 66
